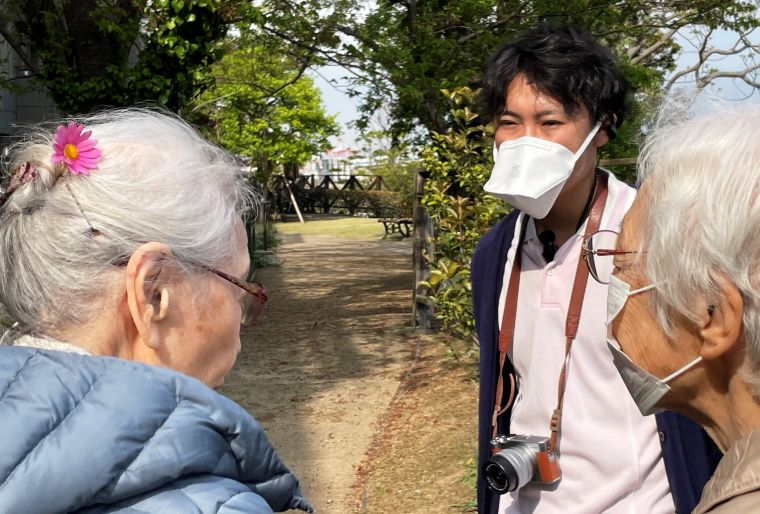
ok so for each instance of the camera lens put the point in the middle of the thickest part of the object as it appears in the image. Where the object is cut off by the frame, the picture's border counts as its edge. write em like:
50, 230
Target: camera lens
497, 477
510, 469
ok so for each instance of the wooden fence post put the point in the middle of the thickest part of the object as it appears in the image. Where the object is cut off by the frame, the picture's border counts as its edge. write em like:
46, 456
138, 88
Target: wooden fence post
423, 309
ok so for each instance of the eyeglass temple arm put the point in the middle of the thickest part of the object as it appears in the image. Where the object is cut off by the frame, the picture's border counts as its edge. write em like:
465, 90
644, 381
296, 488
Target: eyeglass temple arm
259, 292
605, 253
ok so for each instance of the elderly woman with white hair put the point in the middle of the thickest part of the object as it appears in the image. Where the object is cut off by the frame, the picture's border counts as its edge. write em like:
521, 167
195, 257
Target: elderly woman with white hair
684, 297
123, 260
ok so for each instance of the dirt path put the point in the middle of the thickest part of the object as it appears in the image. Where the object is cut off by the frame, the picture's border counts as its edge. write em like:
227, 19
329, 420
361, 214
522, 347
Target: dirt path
321, 368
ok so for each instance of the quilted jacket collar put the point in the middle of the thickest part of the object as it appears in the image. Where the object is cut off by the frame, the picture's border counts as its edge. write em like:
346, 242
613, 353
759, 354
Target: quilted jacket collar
79, 431
738, 473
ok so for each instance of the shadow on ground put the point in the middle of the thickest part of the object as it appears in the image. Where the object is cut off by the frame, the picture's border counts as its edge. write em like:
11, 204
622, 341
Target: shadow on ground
323, 364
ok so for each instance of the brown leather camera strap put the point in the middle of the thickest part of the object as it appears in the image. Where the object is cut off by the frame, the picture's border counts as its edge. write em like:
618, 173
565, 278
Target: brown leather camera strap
507, 331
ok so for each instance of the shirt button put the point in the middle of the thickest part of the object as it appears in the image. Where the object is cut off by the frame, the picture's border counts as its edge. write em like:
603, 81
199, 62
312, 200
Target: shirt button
662, 436
550, 272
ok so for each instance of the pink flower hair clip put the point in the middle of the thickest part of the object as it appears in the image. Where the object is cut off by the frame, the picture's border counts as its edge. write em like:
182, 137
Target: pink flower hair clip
76, 149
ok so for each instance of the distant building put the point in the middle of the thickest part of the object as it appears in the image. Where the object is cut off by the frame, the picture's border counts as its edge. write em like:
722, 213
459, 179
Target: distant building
337, 162
20, 109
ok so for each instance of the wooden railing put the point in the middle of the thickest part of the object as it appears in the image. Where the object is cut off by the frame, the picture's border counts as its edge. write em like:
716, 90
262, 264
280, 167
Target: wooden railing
305, 192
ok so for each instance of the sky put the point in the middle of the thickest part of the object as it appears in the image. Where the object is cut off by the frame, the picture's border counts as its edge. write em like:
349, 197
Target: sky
337, 102
727, 89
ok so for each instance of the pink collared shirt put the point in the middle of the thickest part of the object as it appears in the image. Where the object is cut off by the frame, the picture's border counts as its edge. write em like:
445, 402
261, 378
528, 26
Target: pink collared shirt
610, 455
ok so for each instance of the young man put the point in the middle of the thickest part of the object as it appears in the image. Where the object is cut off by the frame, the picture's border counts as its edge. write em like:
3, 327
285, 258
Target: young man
556, 96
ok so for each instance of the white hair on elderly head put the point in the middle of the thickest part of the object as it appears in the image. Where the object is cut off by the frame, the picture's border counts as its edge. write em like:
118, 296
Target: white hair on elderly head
702, 171
158, 180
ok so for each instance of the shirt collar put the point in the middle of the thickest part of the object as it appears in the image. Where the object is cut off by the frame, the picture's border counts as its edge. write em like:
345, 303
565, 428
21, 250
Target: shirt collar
49, 344
530, 230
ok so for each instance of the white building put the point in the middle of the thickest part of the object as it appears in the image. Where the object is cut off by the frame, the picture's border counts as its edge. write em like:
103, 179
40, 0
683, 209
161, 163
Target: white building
339, 162
19, 109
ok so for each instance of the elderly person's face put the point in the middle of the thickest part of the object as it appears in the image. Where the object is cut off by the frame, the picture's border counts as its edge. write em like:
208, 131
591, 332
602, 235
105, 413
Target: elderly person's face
187, 322
207, 342
635, 327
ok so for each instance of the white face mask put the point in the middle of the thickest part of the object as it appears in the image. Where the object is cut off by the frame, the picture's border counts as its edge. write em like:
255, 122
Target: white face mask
646, 389
529, 172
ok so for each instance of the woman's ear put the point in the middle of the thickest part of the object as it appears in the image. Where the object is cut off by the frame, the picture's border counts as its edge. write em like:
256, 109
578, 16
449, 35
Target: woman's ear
720, 324
147, 278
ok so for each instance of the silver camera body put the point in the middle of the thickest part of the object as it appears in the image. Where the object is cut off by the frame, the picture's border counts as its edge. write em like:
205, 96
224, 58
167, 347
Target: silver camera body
521, 459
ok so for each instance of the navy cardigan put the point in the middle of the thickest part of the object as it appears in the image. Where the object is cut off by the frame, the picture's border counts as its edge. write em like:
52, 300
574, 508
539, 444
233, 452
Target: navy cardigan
689, 454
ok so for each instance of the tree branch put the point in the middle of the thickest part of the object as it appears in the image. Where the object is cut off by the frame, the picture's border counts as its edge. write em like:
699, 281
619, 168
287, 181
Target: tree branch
680, 74
740, 74
662, 41
706, 52
498, 23
349, 67
351, 31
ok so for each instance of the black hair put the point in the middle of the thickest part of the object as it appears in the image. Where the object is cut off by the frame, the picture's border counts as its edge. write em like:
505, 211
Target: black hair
567, 64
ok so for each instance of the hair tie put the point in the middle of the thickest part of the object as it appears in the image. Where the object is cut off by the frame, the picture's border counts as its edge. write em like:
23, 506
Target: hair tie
21, 174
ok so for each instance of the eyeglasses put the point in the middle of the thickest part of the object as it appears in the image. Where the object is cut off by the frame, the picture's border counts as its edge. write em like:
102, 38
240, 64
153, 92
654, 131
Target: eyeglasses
598, 253
253, 302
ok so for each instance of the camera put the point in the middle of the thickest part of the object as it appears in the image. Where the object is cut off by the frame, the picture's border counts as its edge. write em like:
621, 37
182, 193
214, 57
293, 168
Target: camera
522, 459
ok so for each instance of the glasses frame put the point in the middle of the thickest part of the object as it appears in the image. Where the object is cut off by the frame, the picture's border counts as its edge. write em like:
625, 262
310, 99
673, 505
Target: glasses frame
587, 254
255, 289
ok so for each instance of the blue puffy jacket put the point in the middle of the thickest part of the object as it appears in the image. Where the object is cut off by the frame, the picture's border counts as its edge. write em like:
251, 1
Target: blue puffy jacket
100, 434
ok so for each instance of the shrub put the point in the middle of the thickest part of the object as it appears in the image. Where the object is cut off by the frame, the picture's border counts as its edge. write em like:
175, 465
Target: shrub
399, 178
377, 204
386, 204
262, 241
459, 163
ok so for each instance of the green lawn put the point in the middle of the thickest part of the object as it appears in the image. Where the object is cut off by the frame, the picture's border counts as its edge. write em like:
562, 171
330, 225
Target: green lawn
348, 228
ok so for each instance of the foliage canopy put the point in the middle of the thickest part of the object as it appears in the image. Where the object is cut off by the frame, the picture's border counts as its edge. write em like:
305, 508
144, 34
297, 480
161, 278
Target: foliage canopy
91, 54
400, 53
261, 105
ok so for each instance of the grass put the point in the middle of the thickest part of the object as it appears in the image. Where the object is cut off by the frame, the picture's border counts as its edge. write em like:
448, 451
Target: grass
425, 460
471, 480
345, 227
